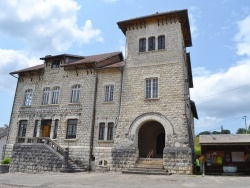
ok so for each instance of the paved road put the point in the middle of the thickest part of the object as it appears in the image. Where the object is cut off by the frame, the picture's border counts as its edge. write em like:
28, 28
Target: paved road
116, 179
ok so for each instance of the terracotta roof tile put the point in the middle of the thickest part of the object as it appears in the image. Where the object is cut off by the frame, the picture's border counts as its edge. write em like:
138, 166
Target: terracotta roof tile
93, 59
34, 68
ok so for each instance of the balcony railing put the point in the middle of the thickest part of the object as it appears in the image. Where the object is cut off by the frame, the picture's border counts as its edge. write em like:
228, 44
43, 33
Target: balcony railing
41, 140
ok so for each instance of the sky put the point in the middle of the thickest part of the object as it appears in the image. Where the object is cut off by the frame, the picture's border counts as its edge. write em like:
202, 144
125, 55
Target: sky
220, 55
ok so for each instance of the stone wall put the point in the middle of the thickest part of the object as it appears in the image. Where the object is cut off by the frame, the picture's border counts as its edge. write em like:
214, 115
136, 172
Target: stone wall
30, 158
178, 160
123, 158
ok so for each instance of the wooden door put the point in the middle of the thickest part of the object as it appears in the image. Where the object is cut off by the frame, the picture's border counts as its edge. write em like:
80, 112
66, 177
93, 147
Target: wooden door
46, 130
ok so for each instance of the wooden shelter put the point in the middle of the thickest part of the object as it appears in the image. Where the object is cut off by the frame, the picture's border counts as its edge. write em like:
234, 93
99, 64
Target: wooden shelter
226, 153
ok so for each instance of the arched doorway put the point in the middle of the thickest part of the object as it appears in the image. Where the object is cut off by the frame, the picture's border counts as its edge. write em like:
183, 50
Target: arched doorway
151, 136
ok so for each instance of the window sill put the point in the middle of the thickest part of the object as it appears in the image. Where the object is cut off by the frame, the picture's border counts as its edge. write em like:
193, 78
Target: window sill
25, 106
108, 102
54, 70
151, 99
70, 139
76, 103
105, 141
152, 51
49, 105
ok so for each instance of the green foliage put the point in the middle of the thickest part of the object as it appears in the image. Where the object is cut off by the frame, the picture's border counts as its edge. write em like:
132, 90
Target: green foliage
204, 133
197, 147
225, 131
241, 131
6, 161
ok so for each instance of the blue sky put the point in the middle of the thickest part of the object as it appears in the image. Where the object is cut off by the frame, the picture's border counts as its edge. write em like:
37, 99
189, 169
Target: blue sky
220, 54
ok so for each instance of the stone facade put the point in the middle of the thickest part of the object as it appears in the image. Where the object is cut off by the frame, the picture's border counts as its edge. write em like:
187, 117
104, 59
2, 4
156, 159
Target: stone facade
113, 108
34, 158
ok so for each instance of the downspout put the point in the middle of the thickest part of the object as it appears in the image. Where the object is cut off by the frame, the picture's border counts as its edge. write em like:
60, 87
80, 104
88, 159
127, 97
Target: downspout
91, 157
11, 115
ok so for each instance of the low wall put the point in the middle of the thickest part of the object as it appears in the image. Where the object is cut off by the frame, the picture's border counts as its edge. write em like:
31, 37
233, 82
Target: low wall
31, 158
4, 168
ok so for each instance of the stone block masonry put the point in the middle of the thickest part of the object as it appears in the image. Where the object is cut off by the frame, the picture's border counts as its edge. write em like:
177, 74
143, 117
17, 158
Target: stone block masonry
34, 158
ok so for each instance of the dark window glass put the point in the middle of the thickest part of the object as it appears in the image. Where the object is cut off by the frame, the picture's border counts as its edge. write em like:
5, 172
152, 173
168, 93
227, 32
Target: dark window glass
142, 45
101, 131
161, 42
71, 128
151, 43
55, 64
35, 128
110, 131
55, 129
22, 128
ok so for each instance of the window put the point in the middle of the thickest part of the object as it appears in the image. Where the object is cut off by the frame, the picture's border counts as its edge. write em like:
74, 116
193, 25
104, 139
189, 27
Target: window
35, 128
55, 64
161, 42
109, 90
22, 128
45, 99
75, 95
101, 131
71, 128
55, 129
28, 97
55, 95
142, 45
151, 43
110, 131
152, 88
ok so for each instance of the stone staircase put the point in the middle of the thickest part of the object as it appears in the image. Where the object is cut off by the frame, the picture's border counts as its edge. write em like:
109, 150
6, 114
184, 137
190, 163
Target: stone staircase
54, 148
75, 167
154, 166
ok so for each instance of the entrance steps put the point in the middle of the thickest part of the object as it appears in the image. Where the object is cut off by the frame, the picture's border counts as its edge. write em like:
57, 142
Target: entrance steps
154, 166
73, 167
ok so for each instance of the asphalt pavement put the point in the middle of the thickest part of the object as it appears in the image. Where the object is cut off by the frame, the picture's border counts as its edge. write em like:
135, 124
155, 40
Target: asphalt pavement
116, 179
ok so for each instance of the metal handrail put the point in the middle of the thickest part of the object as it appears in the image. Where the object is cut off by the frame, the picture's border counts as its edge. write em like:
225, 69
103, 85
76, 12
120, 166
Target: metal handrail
148, 158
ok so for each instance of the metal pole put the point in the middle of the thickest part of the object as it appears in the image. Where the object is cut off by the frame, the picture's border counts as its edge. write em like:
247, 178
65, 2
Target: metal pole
245, 117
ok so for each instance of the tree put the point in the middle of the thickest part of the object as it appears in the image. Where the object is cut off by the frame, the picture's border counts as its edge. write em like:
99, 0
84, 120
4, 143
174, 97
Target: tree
204, 133
225, 131
241, 131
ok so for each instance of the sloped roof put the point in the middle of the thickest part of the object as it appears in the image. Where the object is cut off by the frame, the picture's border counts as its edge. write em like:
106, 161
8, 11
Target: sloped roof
93, 59
30, 69
224, 139
61, 55
115, 65
182, 14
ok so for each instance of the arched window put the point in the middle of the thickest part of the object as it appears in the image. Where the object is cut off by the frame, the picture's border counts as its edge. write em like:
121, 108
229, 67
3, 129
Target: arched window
55, 95
75, 94
28, 97
45, 99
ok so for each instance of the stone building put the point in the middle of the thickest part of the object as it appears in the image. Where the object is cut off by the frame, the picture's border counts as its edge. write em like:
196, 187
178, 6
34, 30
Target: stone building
109, 110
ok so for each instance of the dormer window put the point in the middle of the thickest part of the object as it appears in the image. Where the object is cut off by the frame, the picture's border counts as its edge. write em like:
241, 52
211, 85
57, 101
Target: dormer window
55, 64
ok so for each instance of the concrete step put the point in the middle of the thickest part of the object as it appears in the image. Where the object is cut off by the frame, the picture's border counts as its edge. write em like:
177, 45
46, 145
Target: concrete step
146, 171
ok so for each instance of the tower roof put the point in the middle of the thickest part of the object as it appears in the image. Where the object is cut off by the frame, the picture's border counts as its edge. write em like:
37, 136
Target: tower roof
161, 18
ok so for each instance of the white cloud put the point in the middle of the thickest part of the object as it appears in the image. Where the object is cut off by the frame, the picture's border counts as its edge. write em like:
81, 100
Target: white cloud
225, 93
243, 37
12, 60
194, 12
46, 25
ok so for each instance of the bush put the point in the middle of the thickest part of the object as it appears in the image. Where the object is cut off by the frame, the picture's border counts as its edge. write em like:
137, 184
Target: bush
6, 161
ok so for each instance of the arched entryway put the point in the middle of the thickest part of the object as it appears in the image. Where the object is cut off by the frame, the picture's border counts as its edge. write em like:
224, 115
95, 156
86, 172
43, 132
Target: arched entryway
151, 136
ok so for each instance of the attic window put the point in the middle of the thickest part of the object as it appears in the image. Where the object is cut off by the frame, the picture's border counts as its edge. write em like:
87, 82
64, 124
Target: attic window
55, 64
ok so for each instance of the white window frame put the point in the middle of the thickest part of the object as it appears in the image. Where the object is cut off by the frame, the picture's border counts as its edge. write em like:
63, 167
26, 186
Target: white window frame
109, 93
75, 93
55, 95
151, 88
45, 98
28, 97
